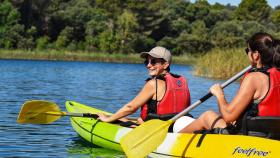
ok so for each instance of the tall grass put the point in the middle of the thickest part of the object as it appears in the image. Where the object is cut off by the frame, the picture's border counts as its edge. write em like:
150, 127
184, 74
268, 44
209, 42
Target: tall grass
221, 64
84, 56
69, 56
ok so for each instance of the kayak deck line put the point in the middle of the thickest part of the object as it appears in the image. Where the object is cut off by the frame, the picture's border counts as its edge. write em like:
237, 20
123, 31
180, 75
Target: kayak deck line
91, 132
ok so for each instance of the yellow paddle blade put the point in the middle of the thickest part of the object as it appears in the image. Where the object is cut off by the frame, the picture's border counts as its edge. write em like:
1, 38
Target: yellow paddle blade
39, 112
145, 138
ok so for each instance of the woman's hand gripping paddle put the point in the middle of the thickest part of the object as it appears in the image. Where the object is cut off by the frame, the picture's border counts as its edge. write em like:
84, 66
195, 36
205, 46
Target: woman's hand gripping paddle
148, 136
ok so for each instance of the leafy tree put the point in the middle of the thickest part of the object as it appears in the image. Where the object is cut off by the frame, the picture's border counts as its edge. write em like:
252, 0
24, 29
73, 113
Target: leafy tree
199, 28
132, 26
65, 37
276, 17
127, 25
177, 16
54, 21
28, 41
198, 10
169, 43
191, 43
42, 43
218, 15
10, 37
149, 14
249, 30
76, 14
94, 27
251, 10
142, 43
108, 42
227, 34
113, 7
179, 25
10, 30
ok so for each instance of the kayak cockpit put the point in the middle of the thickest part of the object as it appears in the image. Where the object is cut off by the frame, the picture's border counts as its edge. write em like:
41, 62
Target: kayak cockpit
266, 127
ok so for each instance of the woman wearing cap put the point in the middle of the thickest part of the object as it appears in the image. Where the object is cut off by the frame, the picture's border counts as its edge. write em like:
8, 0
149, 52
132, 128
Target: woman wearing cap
164, 94
258, 95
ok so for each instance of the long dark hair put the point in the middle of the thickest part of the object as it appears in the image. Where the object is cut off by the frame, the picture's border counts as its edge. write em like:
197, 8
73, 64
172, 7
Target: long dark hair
264, 44
276, 56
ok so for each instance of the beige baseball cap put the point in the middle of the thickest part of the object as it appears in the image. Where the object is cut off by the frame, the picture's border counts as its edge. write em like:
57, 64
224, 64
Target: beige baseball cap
158, 52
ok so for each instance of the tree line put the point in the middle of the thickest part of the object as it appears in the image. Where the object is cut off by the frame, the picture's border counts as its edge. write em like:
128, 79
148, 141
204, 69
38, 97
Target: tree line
131, 26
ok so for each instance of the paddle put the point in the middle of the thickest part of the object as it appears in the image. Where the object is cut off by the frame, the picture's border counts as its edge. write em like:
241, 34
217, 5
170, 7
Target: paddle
148, 136
45, 112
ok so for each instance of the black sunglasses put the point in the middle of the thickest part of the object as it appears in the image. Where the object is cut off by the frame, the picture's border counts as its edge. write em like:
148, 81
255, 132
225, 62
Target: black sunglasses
151, 61
247, 50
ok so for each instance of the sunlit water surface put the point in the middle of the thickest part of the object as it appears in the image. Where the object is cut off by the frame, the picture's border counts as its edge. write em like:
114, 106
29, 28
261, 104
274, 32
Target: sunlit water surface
103, 85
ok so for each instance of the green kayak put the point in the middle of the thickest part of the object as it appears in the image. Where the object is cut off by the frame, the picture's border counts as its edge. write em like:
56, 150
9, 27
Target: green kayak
108, 135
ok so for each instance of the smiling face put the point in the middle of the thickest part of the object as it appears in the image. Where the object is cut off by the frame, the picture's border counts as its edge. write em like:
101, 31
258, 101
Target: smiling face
155, 66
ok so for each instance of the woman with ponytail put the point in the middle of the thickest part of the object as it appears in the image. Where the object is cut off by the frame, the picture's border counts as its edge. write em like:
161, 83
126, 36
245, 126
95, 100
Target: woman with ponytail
258, 95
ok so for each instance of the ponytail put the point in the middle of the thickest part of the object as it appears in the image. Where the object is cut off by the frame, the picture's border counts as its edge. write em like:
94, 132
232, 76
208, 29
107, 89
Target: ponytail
263, 43
276, 56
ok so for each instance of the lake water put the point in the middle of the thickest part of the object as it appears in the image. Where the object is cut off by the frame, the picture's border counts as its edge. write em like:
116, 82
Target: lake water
104, 85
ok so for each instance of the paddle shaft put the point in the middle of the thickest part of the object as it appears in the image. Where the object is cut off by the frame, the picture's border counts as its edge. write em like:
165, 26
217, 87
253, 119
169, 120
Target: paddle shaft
90, 115
209, 94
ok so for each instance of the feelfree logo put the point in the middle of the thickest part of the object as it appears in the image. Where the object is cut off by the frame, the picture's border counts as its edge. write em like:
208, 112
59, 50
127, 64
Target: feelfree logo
250, 152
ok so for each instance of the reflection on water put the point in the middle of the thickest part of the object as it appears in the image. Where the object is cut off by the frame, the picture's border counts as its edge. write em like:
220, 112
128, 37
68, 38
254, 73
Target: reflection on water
81, 148
104, 85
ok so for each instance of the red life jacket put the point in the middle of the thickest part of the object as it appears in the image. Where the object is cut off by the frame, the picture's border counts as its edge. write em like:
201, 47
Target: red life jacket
267, 111
270, 105
175, 100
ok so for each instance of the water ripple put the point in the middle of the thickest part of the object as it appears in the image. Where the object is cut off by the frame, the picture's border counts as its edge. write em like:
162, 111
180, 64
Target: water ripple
103, 85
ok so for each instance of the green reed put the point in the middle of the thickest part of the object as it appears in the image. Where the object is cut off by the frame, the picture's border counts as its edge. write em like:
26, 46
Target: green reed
221, 64
83, 56
69, 56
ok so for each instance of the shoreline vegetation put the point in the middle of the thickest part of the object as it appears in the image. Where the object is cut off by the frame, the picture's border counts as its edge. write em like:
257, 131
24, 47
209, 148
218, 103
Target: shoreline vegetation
61, 55
216, 64
197, 33
221, 64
